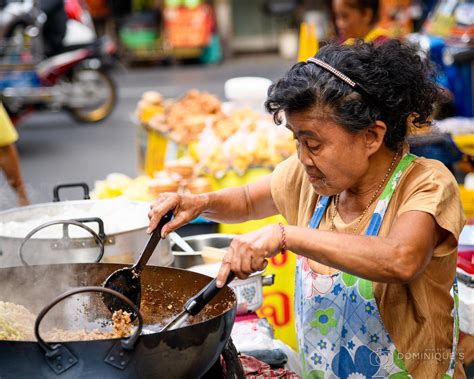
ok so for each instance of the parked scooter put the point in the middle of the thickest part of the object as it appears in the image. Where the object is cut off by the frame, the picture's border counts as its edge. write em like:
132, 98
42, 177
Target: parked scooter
40, 74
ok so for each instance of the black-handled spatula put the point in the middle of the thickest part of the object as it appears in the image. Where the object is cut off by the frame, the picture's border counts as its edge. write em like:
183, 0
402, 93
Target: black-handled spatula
127, 280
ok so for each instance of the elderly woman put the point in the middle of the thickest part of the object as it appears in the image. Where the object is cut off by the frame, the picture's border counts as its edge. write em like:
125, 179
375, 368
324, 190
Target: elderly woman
375, 228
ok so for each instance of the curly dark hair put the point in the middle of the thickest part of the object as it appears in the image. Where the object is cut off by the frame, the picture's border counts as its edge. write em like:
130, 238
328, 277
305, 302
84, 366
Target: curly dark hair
394, 74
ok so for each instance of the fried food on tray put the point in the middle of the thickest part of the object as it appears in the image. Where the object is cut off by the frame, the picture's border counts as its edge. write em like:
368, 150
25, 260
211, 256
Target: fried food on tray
184, 119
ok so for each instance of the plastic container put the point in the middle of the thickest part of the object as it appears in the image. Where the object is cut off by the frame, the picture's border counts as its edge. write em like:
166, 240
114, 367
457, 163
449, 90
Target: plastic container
247, 91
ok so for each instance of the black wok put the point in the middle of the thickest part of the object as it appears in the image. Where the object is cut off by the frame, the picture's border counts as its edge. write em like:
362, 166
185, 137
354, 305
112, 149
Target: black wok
187, 352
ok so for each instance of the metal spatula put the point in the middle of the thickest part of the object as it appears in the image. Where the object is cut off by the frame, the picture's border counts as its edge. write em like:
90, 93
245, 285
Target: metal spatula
195, 304
127, 280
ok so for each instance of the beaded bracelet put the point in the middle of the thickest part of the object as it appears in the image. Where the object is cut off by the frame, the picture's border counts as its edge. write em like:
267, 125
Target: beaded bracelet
283, 238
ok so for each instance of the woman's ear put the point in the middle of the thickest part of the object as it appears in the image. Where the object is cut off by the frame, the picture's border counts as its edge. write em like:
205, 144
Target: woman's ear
374, 136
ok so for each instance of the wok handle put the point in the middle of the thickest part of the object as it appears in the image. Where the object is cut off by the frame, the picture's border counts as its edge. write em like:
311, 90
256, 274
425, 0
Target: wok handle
194, 305
150, 246
97, 238
58, 357
84, 186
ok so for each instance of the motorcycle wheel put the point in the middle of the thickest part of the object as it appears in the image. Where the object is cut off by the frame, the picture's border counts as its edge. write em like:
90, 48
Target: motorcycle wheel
101, 111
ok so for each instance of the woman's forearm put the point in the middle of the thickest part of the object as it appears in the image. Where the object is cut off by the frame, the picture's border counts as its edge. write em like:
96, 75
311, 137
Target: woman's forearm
229, 205
380, 259
238, 204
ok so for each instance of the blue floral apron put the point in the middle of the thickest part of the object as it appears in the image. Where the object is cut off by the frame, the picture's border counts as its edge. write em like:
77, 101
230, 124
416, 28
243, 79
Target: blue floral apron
339, 328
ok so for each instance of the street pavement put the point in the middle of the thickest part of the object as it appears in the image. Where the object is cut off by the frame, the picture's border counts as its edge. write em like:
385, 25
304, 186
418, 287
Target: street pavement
55, 149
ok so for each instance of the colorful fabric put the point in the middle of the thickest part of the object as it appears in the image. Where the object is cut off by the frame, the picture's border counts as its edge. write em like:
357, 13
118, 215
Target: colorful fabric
339, 328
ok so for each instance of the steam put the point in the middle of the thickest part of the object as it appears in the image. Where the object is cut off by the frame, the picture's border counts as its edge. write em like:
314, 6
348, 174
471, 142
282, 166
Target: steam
35, 287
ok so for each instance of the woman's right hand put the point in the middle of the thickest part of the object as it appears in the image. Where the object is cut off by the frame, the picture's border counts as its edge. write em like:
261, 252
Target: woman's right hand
185, 209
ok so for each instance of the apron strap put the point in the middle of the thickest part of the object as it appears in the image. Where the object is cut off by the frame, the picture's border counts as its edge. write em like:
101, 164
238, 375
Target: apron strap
382, 205
319, 211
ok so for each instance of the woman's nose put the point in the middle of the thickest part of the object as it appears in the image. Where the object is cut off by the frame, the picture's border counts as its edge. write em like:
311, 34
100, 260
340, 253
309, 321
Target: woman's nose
304, 156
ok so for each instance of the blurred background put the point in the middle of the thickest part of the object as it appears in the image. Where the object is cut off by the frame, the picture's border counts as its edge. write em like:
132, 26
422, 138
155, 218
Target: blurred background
132, 98
72, 72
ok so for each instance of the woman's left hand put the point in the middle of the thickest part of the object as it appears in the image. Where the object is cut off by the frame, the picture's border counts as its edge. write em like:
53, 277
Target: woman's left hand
248, 252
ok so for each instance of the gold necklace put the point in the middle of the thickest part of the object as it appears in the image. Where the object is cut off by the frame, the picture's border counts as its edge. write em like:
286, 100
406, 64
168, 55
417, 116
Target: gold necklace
374, 196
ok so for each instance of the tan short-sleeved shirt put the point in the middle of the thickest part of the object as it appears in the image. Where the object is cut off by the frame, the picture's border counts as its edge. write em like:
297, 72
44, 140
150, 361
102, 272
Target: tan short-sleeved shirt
417, 315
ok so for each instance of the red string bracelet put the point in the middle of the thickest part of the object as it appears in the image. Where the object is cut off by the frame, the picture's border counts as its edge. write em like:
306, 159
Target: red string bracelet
283, 238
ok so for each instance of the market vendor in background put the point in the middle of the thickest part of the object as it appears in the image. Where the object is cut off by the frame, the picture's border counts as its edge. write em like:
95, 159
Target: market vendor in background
375, 228
357, 20
9, 159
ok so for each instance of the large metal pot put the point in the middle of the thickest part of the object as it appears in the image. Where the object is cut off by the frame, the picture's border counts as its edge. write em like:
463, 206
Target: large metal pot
187, 352
249, 292
120, 223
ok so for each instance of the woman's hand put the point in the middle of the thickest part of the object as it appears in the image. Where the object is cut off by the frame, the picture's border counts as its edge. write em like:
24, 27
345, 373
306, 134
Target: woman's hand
247, 253
185, 209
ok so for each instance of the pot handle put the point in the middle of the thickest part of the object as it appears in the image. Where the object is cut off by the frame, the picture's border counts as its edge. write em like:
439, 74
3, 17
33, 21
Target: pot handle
99, 222
268, 280
60, 358
65, 236
84, 186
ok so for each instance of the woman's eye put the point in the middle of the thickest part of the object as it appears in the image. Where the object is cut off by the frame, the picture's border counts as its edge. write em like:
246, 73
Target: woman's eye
313, 147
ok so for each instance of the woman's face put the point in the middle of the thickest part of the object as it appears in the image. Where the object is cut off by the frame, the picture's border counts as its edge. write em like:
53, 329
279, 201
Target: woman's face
352, 22
334, 159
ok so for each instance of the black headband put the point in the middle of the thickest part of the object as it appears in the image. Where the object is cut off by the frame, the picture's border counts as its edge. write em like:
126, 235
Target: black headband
354, 85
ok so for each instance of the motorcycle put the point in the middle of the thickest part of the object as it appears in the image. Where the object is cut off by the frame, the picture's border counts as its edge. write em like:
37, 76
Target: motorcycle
71, 74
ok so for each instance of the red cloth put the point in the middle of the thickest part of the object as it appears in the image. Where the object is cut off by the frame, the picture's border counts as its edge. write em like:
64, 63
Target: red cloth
246, 317
255, 369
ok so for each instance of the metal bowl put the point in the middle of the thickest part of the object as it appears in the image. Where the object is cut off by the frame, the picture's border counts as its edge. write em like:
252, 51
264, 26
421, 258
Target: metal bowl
249, 292
198, 243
